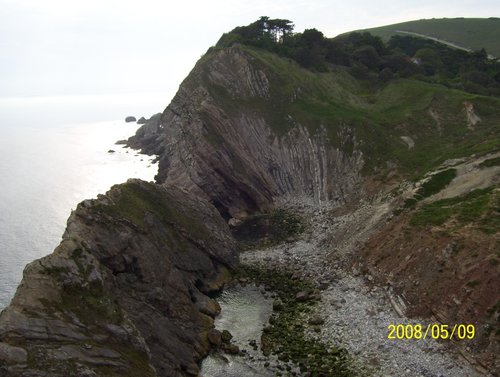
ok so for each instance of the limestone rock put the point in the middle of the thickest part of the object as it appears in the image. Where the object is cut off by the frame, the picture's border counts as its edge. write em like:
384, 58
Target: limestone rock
232, 155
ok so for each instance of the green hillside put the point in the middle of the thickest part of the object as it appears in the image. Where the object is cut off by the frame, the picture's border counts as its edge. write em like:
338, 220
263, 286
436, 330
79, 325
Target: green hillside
470, 33
379, 117
376, 90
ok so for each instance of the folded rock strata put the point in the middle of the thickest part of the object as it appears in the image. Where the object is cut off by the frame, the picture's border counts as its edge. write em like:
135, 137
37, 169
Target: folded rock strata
215, 140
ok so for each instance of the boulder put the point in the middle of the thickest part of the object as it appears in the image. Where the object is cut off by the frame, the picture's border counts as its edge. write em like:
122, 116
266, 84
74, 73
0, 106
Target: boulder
226, 336
142, 120
324, 284
234, 222
232, 349
130, 119
10, 355
315, 321
215, 337
209, 306
302, 296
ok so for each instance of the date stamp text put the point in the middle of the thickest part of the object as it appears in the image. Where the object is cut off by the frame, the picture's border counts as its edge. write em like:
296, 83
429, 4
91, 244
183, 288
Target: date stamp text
431, 331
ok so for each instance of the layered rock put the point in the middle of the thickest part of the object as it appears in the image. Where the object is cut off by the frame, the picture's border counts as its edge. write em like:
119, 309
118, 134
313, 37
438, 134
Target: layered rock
125, 293
215, 140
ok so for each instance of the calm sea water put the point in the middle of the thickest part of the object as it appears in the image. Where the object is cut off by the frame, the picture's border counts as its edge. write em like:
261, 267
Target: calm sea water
244, 313
54, 154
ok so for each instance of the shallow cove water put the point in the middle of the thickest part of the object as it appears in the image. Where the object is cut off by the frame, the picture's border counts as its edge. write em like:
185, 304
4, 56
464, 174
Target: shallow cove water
245, 311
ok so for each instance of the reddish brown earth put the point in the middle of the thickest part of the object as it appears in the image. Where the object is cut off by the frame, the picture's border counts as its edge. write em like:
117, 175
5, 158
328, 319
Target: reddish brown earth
450, 276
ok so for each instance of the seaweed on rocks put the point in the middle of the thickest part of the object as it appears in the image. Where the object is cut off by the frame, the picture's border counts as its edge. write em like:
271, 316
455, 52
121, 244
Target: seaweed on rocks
285, 336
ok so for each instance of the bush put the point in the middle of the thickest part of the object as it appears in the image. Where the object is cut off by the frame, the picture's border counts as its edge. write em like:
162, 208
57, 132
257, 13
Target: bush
436, 183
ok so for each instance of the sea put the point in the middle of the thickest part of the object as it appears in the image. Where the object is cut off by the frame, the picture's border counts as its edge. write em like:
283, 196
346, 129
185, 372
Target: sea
54, 153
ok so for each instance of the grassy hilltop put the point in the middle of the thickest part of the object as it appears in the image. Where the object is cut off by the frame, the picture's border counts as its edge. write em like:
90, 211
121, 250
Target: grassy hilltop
470, 33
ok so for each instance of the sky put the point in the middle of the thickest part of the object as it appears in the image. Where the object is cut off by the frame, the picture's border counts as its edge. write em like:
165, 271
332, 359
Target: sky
61, 47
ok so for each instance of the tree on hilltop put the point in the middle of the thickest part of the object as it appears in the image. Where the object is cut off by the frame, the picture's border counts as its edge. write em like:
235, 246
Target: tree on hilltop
262, 31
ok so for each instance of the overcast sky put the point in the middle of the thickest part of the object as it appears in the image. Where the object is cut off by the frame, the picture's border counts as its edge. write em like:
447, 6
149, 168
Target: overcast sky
73, 47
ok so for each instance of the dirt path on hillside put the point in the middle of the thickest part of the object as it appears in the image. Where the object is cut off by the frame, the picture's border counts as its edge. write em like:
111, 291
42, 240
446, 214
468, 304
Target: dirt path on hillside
356, 313
447, 43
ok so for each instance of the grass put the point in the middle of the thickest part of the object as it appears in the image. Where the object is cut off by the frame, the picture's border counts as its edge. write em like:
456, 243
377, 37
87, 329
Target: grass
57, 272
137, 199
358, 115
435, 184
471, 33
479, 207
92, 305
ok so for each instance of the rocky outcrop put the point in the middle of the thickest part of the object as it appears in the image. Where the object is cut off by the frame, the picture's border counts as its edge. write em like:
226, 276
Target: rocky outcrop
130, 119
212, 141
471, 116
125, 293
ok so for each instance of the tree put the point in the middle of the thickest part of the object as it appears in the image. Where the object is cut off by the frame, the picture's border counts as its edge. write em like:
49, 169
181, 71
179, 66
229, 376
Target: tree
279, 28
266, 28
311, 37
367, 55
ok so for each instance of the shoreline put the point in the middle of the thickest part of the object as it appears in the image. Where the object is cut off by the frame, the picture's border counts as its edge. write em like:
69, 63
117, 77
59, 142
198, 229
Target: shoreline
356, 312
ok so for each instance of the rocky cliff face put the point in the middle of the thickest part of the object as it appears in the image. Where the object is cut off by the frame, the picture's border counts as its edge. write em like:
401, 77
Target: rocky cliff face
125, 293
226, 137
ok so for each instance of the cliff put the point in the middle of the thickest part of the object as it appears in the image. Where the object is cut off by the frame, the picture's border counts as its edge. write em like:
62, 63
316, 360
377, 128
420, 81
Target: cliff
227, 137
125, 293
248, 127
